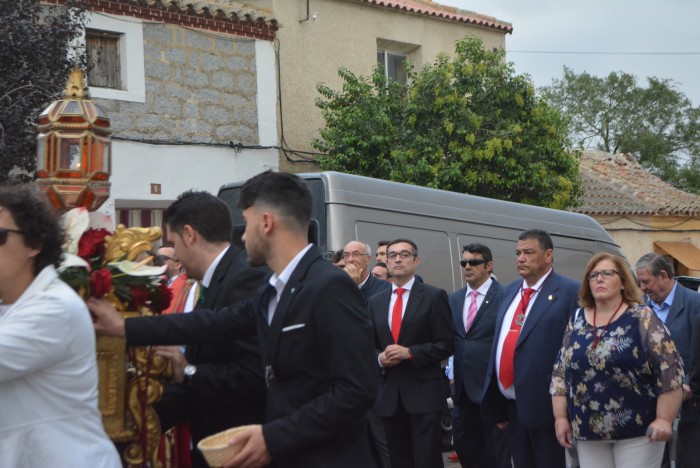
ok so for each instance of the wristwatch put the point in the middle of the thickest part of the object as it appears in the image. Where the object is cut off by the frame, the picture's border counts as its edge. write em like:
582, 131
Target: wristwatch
187, 373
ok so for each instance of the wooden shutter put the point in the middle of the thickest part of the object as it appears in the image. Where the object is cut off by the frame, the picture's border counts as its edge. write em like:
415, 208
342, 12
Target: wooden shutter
104, 63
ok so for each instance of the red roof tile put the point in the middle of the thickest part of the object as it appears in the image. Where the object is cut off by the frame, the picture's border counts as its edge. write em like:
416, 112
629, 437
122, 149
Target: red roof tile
618, 185
430, 8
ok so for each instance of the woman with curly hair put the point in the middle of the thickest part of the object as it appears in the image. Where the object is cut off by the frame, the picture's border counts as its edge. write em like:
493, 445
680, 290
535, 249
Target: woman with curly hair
617, 382
48, 368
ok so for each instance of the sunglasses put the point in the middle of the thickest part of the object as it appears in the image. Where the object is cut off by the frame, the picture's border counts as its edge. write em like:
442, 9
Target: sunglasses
474, 262
4, 232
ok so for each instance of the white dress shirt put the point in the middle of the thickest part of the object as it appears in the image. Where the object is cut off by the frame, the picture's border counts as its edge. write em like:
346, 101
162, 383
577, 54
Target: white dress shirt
482, 290
505, 326
48, 381
279, 282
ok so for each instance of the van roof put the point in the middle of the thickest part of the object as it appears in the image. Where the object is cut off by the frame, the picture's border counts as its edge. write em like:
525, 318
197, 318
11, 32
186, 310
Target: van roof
366, 192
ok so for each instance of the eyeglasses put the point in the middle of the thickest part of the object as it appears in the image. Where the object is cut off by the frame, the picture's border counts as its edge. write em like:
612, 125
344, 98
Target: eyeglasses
606, 274
354, 254
164, 258
405, 254
474, 262
4, 232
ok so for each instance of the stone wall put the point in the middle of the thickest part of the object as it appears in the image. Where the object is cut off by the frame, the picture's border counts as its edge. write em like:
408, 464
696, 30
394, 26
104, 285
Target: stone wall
200, 88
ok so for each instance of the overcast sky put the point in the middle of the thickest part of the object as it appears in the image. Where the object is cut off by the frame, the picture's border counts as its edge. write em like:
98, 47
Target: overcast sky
661, 26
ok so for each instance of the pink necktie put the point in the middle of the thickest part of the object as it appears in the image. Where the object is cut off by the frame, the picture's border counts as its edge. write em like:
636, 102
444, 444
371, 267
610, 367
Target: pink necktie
471, 313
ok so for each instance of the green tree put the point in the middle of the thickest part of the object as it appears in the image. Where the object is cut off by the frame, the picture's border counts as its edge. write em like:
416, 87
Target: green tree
657, 124
34, 54
466, 124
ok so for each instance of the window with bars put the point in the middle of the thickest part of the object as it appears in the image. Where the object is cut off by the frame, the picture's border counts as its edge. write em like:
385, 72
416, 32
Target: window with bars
104, 62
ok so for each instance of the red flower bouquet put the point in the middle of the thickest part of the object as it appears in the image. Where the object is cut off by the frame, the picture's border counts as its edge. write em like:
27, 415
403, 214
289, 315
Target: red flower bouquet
100, 263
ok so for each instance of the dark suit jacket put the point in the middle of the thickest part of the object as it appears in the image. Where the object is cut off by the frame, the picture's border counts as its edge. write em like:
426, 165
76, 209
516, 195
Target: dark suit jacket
427, 330
320, 357
228, 388
680, 323
472, 350
372, 286
694, 373
535, 352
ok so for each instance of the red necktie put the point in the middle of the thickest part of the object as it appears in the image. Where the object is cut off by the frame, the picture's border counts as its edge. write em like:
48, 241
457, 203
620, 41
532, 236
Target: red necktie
396, 315
506, 375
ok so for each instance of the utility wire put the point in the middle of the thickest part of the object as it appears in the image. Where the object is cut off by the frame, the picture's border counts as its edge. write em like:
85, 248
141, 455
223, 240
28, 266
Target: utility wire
574, 52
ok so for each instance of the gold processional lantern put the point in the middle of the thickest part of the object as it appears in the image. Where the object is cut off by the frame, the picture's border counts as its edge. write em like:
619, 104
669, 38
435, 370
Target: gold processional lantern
74, 152
74, 149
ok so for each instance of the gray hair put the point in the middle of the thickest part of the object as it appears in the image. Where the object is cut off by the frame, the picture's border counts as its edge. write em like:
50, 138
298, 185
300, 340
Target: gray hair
655, 264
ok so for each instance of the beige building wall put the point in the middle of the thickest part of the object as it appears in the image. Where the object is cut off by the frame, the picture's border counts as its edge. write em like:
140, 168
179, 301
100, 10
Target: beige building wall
346, 34
636, 234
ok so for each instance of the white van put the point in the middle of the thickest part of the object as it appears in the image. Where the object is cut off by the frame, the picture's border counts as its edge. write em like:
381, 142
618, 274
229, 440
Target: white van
349, 207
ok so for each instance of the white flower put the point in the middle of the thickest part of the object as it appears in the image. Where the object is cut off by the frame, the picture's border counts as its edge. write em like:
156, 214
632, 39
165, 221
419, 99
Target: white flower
75, 222
138, 268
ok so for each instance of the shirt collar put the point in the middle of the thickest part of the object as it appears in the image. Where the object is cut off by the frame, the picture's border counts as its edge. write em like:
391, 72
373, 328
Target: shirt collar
669, 299
483, 289
408, 286
206, 280
537, 286
283, 278
364, 282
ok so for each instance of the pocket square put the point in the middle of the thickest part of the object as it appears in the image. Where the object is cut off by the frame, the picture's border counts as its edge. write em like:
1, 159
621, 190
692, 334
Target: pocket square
293, 327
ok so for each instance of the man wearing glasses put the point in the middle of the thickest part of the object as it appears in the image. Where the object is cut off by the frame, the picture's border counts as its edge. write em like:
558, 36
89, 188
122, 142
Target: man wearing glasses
357, 257
677, 307
474, 313
167, 256
413, 334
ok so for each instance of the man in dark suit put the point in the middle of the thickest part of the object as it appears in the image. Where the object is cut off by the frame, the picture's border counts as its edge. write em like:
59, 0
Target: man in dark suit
314, 331
357, 257
677, 307
217, 385
530, 326
474, 313
413, 334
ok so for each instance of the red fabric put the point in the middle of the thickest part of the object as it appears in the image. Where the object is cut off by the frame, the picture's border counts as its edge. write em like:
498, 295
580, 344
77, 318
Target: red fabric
396, 315
181, 288
507, 375
174, 450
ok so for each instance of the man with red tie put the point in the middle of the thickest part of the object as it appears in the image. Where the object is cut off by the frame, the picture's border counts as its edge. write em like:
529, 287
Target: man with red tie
531, 321
413, 334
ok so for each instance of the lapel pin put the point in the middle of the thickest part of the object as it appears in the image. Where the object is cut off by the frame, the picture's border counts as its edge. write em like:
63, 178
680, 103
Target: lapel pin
550, 297
293, 289
486, 302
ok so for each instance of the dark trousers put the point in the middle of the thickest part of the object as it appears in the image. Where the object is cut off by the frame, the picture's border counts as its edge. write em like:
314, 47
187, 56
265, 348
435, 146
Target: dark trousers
532, 448
688, 446
377, 440
413, 439
478, 444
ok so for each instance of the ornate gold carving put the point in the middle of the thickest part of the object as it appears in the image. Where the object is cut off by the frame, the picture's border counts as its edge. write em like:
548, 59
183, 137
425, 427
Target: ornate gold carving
128, 389
130, 242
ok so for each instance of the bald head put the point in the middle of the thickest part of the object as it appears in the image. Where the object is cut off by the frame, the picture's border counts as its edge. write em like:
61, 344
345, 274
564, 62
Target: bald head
359, 254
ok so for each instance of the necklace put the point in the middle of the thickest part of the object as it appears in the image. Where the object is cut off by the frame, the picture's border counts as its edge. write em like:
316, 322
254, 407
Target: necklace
595, 330
520, 318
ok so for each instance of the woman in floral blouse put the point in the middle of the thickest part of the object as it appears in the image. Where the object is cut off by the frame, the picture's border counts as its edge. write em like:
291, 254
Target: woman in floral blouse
616, 384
